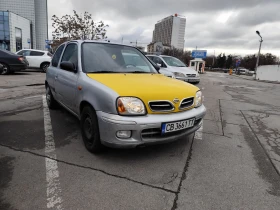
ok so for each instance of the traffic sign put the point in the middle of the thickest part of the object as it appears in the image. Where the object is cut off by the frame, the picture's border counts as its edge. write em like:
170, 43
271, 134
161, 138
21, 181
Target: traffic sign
28, 41
199, 53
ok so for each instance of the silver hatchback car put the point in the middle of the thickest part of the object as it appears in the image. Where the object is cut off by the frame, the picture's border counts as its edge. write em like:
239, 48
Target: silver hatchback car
121, 100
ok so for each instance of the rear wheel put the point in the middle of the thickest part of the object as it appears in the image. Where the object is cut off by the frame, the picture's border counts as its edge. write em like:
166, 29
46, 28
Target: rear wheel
5, 69
52, 103
44, 67
90, 130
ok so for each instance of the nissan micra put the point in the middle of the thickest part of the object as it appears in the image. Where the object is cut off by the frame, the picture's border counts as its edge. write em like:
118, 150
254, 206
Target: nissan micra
120, 101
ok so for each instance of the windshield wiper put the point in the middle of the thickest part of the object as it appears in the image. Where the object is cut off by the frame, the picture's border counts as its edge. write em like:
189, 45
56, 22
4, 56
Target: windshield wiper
98, 72
138, 72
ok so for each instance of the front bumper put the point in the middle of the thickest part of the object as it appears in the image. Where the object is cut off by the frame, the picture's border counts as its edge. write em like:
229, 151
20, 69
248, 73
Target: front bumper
109, 124
189, 79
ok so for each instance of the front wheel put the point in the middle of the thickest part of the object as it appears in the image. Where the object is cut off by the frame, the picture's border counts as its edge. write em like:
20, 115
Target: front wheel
90, 130
44, 67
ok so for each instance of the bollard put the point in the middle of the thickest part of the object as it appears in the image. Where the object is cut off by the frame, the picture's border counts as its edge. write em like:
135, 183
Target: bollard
230, 72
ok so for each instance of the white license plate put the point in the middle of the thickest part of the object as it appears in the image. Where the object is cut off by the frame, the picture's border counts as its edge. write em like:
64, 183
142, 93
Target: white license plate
176, 126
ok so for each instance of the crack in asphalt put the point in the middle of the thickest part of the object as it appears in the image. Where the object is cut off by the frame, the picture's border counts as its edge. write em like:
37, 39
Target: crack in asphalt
10, 113
217, 134
90, 168
265, 151
183, 177
172, 178
221, 116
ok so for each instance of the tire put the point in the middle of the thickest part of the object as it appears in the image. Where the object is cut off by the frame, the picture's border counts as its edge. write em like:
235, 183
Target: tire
6, 69
44, 67
52, 103
90, 130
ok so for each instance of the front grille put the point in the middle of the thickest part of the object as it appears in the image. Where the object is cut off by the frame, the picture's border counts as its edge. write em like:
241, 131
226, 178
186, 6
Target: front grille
186, 103
161, 106
191, 75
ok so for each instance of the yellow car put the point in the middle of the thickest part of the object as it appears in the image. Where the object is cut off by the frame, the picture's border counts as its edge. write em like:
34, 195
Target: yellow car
121, 100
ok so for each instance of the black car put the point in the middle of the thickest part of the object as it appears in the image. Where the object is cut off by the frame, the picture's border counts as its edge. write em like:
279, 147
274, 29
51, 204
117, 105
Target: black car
11, 62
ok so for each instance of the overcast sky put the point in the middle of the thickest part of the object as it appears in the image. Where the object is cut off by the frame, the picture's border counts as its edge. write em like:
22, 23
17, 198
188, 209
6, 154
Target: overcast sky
222, 25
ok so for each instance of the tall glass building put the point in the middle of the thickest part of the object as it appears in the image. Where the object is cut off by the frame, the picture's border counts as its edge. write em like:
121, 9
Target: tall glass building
35, 11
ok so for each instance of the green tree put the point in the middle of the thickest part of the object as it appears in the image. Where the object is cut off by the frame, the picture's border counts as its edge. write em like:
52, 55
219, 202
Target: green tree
75, 26
229, 62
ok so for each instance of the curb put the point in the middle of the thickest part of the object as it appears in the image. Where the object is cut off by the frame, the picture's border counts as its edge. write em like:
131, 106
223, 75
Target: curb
265, 81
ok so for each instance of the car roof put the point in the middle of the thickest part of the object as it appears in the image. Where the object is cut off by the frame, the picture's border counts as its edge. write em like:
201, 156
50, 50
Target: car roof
35, 50
98, 41
159, 55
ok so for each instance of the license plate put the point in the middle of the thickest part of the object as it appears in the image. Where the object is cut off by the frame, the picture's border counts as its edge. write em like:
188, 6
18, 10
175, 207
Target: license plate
176, 126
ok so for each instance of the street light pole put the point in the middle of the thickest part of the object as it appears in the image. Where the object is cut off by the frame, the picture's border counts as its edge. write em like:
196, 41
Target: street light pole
257, 64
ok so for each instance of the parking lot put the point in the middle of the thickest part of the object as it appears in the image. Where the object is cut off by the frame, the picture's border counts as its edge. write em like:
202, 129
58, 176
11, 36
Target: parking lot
233, 162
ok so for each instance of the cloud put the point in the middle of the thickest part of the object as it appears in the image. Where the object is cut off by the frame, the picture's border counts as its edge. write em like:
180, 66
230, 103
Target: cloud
221, 24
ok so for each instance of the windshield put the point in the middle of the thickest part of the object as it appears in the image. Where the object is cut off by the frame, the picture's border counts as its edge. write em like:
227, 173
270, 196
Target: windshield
171, 61
101, 57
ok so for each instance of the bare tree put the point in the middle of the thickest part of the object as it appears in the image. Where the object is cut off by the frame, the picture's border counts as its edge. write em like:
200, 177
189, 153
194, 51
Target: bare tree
71, 27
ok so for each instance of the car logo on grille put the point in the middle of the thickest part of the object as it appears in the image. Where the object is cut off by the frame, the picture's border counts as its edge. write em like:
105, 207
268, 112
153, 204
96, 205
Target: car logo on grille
176, 100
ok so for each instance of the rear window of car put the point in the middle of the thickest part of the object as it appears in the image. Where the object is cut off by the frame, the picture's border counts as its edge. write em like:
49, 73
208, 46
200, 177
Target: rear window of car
36, 53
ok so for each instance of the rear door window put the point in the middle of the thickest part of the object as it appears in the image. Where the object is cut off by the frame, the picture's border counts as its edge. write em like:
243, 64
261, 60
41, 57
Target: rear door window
36, 53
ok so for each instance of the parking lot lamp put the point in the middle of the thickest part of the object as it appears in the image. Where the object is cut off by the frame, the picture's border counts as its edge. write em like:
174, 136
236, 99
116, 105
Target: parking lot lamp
257, 64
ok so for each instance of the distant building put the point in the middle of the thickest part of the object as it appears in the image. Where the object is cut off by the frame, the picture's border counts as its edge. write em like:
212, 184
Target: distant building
15, 32
36, 11
170, 31
156, 48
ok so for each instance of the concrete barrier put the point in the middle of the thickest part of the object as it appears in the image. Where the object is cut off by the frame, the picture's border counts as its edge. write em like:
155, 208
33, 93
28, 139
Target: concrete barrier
269, 73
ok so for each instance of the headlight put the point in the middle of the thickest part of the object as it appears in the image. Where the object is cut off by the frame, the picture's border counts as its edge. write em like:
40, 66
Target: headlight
179, 74
130, 106
198, 99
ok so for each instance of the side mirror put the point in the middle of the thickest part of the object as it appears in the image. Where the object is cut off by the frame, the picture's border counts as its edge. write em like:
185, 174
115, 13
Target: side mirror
157, 67
68, 66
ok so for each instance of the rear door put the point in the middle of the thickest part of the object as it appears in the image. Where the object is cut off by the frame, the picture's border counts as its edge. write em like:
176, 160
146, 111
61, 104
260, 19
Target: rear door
66, 83
37, 58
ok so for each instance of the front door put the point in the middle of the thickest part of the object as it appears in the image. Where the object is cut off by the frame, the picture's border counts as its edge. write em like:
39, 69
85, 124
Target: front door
66, 84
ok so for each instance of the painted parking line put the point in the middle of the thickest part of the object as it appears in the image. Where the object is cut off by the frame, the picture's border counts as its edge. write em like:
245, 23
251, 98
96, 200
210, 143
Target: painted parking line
54, 192
198, 133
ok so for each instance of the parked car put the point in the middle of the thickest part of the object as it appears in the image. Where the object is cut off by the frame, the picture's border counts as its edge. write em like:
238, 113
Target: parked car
119, 104
163, 71
11, 62
242, 71
37, 58
177, 67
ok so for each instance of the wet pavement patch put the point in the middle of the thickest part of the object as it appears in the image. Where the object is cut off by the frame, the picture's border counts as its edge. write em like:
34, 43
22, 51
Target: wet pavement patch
6, 173
263, 162
23, 130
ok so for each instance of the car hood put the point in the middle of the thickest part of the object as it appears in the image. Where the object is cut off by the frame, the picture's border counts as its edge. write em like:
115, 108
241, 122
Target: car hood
184, 70
147, 87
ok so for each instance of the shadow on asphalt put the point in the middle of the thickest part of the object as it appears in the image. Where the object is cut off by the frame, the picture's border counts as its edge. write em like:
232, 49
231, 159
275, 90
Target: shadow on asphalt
65, 124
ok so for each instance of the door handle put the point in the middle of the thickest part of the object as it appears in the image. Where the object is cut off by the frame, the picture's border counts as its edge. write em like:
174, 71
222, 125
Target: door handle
55, 77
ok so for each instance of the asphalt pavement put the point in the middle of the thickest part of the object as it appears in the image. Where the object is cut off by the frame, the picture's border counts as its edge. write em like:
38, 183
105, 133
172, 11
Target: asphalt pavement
232, 163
